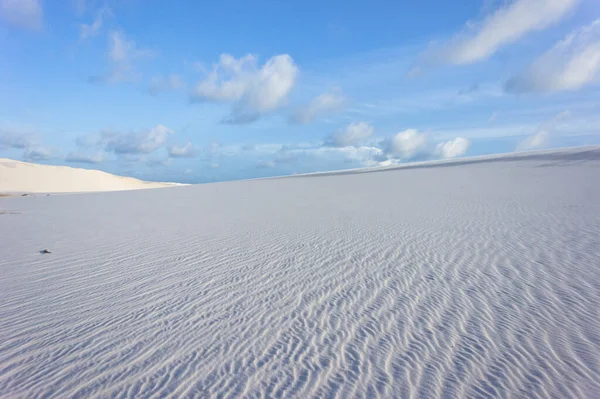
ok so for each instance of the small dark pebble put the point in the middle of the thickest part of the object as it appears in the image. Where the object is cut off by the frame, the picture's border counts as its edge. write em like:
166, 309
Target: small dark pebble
45, 251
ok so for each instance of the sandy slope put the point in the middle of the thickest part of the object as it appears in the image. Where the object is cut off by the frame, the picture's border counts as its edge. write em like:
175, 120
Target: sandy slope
17, 176
463, 280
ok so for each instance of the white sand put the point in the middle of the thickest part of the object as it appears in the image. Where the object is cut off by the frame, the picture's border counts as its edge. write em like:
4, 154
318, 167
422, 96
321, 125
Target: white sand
455, 280
24, 177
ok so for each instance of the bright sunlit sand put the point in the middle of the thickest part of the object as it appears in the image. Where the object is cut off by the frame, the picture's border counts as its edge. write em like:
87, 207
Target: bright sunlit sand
17, 176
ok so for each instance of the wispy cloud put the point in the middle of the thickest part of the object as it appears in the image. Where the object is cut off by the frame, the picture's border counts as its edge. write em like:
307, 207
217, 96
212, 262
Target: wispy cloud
26, 14
126, 144
122, 53
89, 30
505, 25
156, 162
33, 150
541, 137
351, 135
186, 151
468, 90
265, 164
143, 142
571, 64
160, 84
82, 157
322, 105
11, 138
253, 90
39, 153
80, 6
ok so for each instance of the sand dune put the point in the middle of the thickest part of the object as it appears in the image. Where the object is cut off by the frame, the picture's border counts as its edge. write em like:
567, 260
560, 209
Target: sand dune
476, 280
24, 177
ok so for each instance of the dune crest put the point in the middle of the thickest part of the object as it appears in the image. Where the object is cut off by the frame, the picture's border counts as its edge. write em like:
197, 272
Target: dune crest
17, 176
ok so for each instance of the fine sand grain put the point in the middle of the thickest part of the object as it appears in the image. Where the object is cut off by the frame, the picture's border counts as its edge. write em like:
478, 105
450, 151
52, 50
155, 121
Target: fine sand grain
463, 279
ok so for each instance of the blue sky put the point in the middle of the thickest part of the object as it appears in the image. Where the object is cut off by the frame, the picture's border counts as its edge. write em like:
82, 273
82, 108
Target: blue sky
195, 92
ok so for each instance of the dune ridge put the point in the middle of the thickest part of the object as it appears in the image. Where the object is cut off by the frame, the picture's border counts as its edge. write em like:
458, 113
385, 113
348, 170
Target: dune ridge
25, 177
478, 280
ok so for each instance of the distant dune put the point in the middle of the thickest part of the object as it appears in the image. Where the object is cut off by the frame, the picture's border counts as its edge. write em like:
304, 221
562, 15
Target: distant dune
475, 278
24, 177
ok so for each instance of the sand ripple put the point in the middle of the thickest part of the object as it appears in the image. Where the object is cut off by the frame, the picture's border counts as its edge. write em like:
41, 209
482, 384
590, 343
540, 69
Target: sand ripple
477, 280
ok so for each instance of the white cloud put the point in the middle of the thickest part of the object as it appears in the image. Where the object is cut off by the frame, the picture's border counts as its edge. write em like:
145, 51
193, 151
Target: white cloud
171, 82
123, 53
535, 141
89, 30
571, 64
254, 90
27, 14
81, 157
186, 151
351, 134
504, 26
540, 139
453, 148
319, 106
143, 142
407, 144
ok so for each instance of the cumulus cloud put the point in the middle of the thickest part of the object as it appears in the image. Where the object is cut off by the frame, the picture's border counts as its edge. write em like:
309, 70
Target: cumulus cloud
254, 90
453, 148
82, 157
571, 64
541, 138
504, 26
407, 144
324, 104
186, 151
122, 53
351, 135
26, 14
89, 30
